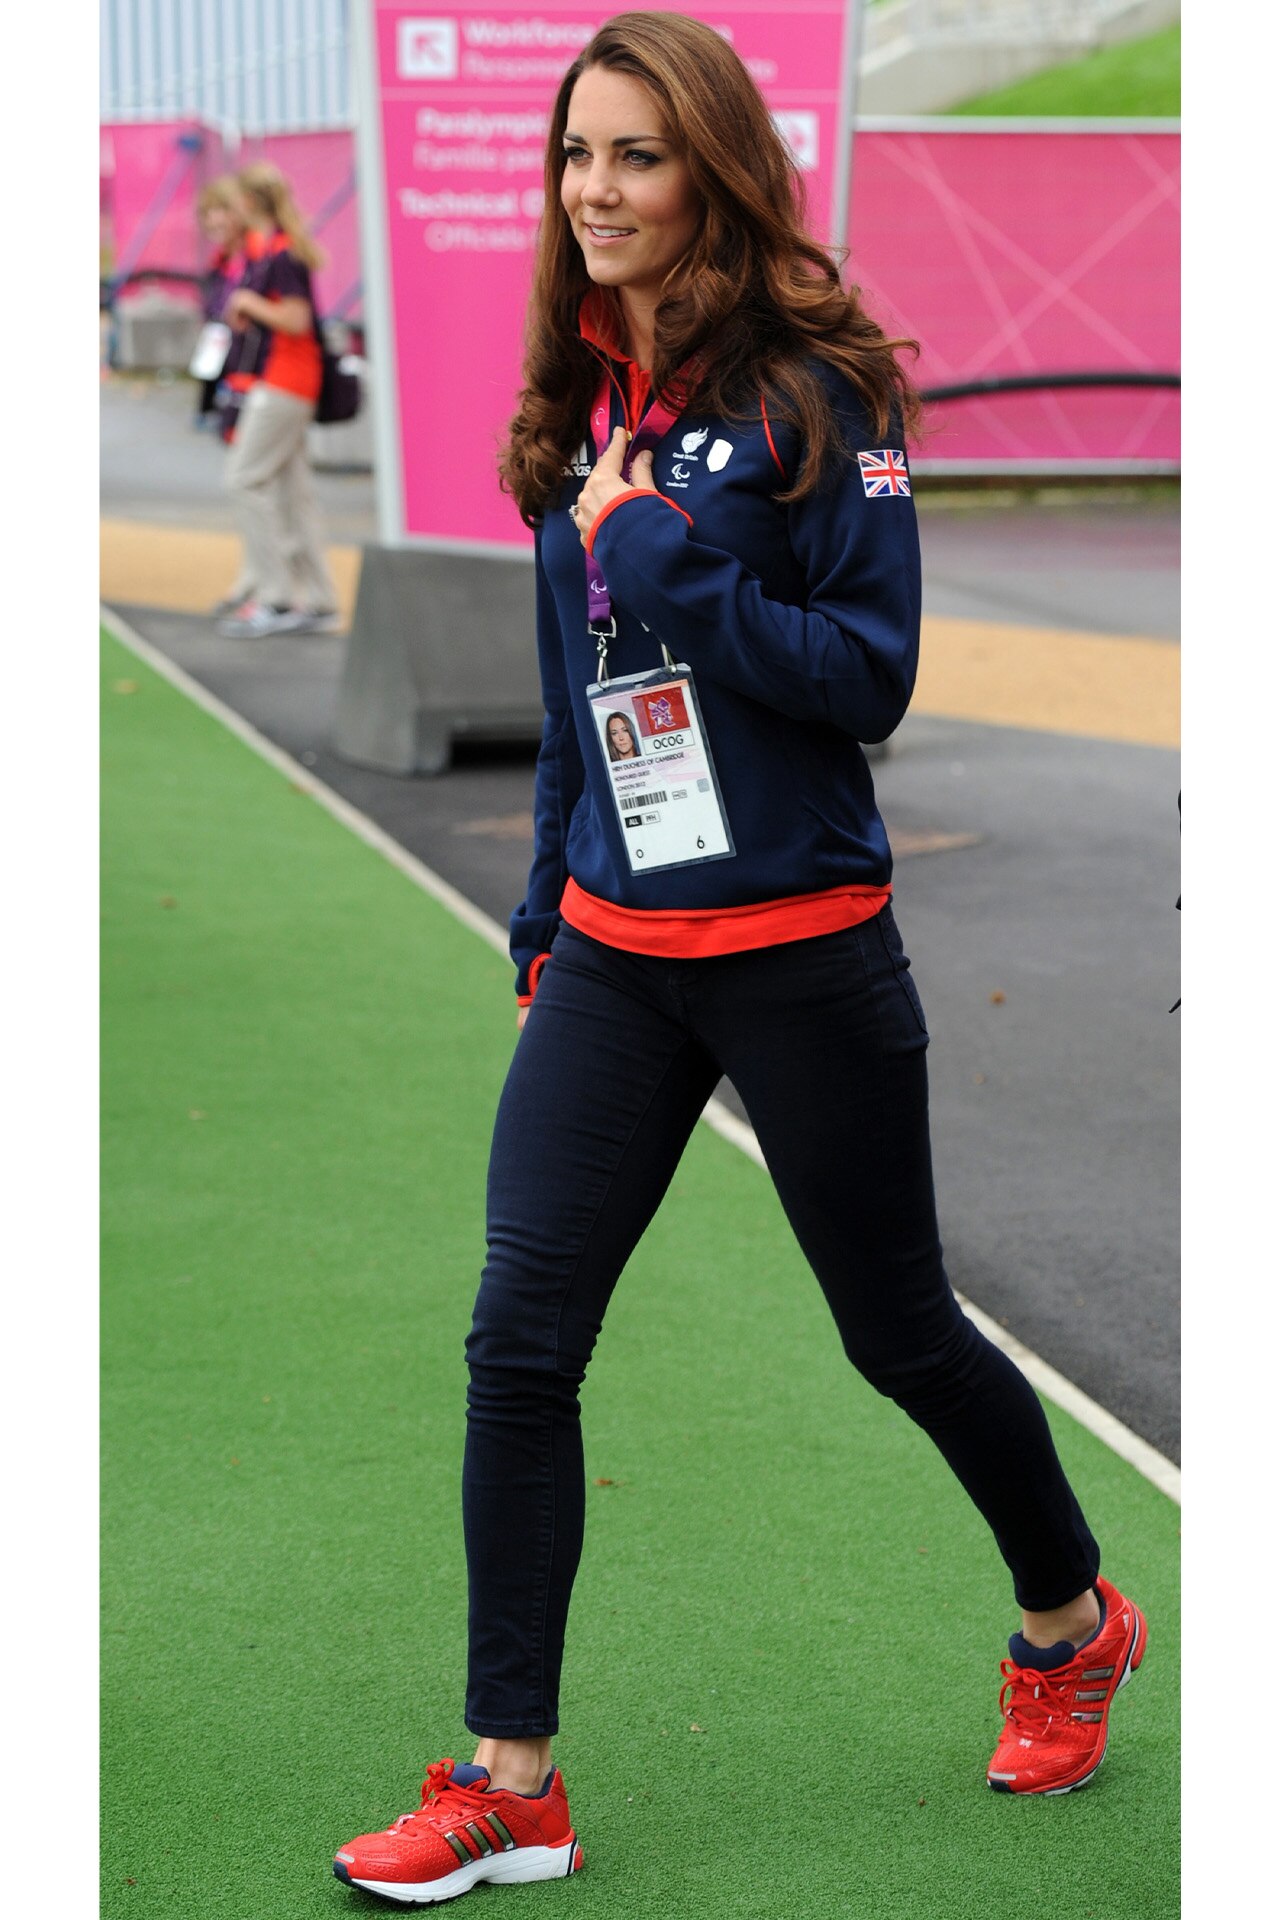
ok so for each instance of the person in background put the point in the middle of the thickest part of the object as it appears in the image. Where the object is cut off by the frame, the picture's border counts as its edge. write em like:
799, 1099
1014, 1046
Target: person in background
272, 380
221, 215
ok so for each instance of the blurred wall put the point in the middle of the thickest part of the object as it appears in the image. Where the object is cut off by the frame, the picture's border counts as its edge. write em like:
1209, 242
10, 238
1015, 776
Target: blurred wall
245, 66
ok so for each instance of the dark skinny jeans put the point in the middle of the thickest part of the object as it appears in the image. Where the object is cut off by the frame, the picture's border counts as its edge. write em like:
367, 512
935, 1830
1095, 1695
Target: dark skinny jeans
825, 1041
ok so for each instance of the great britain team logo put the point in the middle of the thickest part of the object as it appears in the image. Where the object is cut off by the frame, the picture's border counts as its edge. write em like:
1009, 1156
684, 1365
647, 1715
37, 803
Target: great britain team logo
884, 473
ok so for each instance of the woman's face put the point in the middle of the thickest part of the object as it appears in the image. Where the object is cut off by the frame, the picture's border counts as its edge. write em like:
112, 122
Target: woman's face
222, 228
626, 188
624, 746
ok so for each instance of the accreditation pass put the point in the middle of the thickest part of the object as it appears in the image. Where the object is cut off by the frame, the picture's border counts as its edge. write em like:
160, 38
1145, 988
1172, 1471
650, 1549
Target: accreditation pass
655, 751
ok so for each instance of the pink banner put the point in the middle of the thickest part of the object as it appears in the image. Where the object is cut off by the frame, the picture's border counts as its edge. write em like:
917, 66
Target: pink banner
1020, 253
464, 100
151, 187
148, 188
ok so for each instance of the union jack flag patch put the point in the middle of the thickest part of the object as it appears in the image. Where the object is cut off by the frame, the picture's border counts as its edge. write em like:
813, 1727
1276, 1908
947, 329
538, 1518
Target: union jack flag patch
884, 473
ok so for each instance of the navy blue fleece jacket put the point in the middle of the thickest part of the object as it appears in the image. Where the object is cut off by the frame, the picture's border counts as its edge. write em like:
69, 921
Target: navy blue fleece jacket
801, 626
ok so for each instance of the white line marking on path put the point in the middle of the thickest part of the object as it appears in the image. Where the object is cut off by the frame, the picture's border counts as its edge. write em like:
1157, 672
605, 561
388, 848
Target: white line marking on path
1047, 1380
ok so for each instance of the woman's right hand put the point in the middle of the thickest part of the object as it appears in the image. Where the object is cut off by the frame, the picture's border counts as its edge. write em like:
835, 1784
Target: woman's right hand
234, 312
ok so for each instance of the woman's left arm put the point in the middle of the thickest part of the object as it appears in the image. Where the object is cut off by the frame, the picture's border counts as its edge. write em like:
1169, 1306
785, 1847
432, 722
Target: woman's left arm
848, 656
289, 315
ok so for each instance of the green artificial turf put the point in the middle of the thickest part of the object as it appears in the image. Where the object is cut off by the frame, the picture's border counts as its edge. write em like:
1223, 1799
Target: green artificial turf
1137, 79
780, 1695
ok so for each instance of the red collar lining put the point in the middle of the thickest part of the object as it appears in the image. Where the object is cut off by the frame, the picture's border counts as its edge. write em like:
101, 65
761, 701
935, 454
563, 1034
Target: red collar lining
595, 323
258, 245
594, 317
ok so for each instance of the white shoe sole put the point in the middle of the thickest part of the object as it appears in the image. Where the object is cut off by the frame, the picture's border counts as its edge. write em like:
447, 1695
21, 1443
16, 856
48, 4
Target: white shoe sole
501, 1869
244, 630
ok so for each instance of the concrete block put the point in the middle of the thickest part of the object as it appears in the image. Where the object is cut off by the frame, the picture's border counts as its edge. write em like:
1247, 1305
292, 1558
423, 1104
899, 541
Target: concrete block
442, 647
154, 330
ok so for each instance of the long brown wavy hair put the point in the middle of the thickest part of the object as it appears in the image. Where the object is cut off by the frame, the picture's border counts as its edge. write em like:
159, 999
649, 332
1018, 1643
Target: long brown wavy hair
755, 294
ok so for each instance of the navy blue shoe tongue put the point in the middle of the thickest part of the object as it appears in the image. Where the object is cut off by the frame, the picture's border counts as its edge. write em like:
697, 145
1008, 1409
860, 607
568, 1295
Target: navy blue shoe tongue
1043, 1659
470, 1776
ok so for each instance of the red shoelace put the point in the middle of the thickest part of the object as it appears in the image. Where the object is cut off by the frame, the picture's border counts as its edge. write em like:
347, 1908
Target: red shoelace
439, 1781
1032, 1698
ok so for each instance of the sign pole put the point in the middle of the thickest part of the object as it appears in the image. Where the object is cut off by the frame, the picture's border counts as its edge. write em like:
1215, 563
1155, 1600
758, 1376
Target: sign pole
372, 185
845, 118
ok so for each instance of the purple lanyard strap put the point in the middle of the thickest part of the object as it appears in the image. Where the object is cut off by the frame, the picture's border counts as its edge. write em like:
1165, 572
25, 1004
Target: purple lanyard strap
659, 418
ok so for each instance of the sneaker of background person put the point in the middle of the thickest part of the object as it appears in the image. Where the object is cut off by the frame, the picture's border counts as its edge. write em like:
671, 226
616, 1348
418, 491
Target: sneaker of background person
254, 622
1056, 1701
230, 603
318, 620
465, 1831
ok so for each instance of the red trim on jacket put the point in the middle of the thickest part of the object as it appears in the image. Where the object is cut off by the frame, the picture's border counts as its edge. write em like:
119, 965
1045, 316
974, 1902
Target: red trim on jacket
620, 499
594, 324
536, 965
768, 434
704, 932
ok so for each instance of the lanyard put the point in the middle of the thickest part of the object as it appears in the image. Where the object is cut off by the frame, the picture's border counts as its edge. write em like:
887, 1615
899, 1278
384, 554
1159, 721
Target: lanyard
659, 418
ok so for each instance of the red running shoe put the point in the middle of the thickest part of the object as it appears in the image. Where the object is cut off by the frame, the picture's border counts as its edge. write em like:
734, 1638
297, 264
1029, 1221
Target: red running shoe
463, 1832
1056, 1701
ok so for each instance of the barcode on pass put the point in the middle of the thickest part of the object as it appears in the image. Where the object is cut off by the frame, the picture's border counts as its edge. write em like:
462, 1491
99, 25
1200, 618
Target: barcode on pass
645, 799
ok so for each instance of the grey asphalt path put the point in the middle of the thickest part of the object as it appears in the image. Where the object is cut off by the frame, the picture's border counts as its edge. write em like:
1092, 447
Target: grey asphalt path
1042, 927
1084, 563
154, 465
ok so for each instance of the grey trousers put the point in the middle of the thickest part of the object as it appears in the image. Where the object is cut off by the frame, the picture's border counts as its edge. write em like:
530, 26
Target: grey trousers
270, 484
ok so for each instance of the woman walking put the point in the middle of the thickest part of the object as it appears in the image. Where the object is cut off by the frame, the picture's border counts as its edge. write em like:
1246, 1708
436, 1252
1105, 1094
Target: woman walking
737, 577
273, 376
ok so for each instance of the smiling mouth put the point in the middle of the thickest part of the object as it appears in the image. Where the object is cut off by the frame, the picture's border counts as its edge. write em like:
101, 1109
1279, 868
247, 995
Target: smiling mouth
609, 233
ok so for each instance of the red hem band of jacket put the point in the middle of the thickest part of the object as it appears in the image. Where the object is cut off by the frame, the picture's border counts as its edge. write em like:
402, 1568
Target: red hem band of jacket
619, 499
701, 934
536, 965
